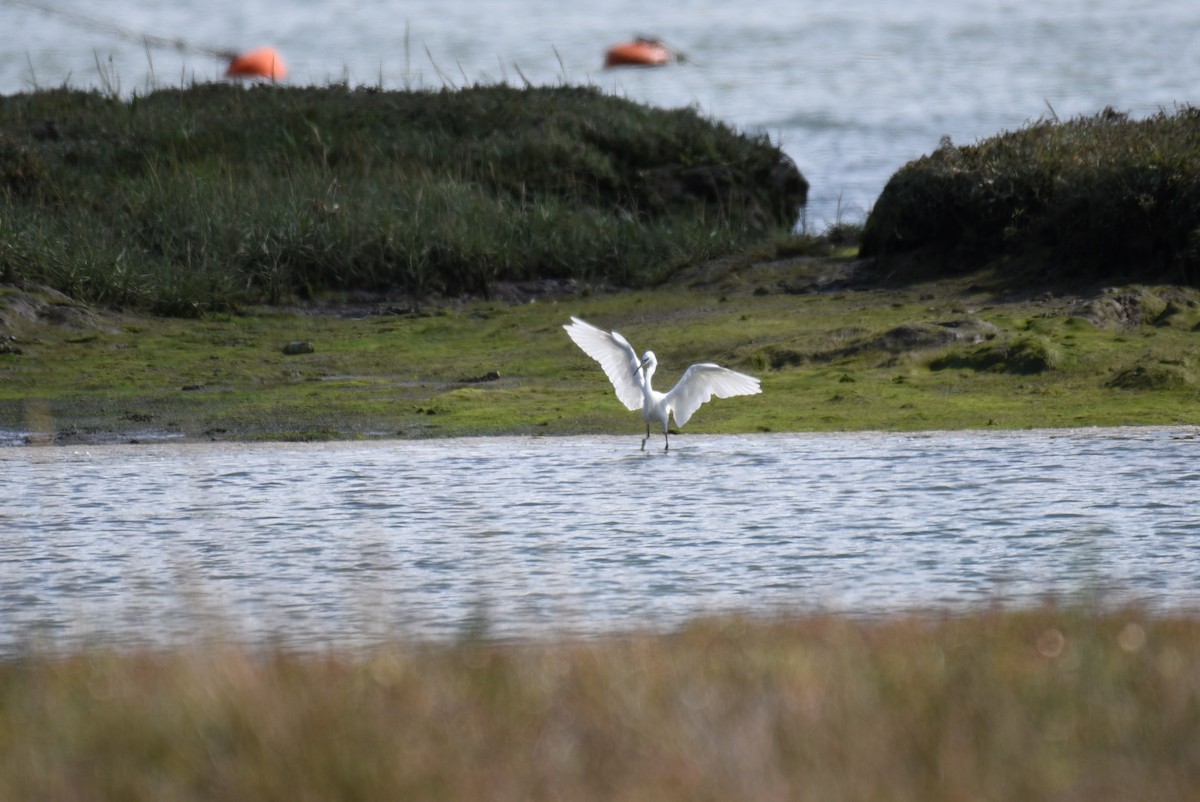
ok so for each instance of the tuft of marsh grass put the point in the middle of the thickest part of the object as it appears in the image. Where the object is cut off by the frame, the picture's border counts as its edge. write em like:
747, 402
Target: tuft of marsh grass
1043, 704
1027, 354
200, 199
1094, 197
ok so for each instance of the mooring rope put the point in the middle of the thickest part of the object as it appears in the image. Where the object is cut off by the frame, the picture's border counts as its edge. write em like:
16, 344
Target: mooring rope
104, 26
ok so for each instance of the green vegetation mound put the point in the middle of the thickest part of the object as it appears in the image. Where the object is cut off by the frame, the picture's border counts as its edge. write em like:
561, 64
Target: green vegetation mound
1153, 375
1090, 198
1024, 355
214, 195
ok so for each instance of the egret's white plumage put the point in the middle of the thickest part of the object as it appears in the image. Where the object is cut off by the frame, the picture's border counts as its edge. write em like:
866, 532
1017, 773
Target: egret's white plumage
631, 377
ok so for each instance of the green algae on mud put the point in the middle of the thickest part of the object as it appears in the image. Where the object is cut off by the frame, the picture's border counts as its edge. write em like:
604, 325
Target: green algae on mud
835, 351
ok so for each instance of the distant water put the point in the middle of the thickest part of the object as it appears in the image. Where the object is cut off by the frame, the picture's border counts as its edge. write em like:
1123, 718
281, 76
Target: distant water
853, 89
344, 544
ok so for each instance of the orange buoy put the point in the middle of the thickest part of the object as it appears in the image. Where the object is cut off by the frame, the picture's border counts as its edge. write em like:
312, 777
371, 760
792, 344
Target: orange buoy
643, 51
262, 63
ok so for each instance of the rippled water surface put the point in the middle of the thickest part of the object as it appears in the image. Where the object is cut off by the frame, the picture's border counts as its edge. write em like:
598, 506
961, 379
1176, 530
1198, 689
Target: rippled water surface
346, 543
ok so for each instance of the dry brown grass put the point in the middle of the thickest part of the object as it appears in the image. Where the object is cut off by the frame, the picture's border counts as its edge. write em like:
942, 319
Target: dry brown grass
1047, 704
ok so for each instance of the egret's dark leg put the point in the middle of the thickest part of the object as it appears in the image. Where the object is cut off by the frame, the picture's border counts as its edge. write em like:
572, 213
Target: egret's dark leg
666, 440
647, 437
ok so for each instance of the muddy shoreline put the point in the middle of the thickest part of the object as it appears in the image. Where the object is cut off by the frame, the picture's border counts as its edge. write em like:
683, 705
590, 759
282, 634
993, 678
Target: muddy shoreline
838, 348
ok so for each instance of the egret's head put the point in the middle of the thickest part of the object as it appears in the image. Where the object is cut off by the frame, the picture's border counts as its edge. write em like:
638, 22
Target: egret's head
649, 363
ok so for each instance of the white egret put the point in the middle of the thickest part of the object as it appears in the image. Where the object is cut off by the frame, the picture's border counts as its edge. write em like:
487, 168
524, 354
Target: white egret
631, 377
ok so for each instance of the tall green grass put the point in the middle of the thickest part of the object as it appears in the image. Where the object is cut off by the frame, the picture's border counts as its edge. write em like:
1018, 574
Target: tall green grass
207, 197
1103, 196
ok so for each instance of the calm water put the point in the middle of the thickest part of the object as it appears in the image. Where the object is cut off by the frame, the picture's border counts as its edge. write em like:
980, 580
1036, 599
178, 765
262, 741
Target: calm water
346, 543
853, 89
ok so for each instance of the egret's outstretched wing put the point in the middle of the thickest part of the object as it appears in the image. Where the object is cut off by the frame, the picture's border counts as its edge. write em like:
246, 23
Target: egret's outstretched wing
615, 355
701, 382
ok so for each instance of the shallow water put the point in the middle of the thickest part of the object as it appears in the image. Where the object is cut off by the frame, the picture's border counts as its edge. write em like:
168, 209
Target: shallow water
347, 543
852, 89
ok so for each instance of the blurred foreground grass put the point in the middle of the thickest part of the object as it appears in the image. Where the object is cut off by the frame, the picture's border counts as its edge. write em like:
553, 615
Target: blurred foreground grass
1031, 705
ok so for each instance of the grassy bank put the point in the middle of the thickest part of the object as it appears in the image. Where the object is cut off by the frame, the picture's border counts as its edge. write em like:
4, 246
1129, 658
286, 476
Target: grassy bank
1101, 197
429, 245
1039, 705
833, 355
211, 197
